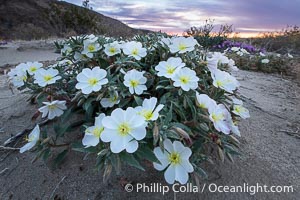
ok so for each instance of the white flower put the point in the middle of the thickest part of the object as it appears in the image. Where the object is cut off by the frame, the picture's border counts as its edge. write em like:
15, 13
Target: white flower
176, 159
278, 55
90, 80
148, 110
112, 48
53, 109
241, 111
135, 81
78, 56
235, 49
232, 66
166, 41
123, 129
290, 56
91, 38
66, 50
134, 49
205, 102
219, 115
237, 101
170, 67
45, 77
220, 58
265, 61
262, 54
182, 44
92, 133
111, 101
186, 79
239, 53
18, 75
33, 67
89, 47
33, 138
234, 129
244, 51
224, 80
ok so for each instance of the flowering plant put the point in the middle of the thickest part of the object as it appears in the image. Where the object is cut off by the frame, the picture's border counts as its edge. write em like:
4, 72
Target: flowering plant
156, 98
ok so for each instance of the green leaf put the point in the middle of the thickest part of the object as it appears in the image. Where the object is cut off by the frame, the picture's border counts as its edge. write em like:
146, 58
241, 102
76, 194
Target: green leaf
78, 146
130, 160
144, 152
138, 100
200, 172
60, 157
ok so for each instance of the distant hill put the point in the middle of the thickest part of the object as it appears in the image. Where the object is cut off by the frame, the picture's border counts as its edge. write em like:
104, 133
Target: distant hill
35, 19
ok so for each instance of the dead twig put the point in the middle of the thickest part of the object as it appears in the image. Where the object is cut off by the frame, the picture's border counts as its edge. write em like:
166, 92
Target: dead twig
9, 148
57, 186
2, 171
15, 137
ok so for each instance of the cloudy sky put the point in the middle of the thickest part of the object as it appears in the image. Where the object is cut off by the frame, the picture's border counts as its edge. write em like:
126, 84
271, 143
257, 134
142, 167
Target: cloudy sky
175, 16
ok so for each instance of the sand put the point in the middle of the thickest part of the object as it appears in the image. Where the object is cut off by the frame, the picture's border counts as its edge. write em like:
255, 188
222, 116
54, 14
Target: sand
269, 145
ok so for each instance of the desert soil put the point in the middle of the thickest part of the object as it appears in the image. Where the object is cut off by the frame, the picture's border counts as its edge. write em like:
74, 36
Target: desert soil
269, 144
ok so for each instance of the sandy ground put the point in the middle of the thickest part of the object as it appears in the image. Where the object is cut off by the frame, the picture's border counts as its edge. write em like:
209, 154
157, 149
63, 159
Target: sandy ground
23, 51
271, 156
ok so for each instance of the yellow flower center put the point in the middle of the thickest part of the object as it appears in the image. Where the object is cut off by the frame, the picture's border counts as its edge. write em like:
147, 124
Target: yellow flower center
174, 158
91, 47
219, 83
112, 50
97, 131
92, 81
148, 114
48, 78
218, 117
182, 47
52, 107
134, 51
29, 139
184, 79
134, 83
170, 69
113, 99
32, 68
124, 129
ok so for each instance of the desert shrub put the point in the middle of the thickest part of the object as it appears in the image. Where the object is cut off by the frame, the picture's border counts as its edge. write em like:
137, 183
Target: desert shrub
286, 40
151, 98
257, 60
206, 36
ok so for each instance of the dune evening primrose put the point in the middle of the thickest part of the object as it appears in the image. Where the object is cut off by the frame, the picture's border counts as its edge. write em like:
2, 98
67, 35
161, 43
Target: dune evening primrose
290, 56
135, 81
18, 75
205, 102
92, 134
90, 80
149, 110
176, 159
32, 139
134, 49
265, 61
45, 77
219, 116
241, 111
89, 47
186, 79
170, 67
182, 44
111, 101
224, 80
33, 67
123, 129
66, 50
53, 109
112, 49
